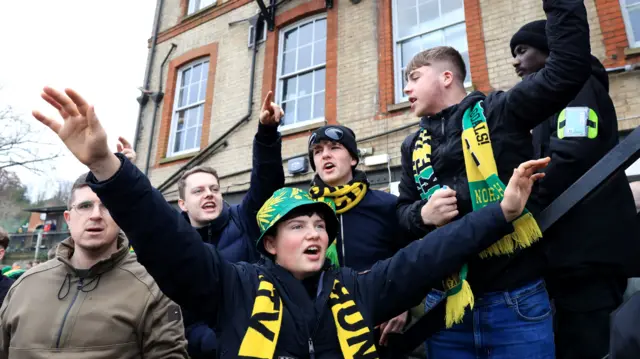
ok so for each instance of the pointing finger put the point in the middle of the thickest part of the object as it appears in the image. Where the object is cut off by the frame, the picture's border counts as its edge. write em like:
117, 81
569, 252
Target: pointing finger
54, 125
124, 142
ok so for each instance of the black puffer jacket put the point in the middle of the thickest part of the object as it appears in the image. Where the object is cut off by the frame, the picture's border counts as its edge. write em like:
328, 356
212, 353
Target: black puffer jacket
510, 117
600, 235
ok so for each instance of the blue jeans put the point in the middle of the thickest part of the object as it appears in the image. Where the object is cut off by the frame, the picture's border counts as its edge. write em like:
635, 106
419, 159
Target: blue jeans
516, 324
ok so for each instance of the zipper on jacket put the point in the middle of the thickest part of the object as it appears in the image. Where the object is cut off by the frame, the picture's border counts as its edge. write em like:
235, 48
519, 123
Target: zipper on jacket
442, 125
344, 257
64, 319
209, 239
312, 350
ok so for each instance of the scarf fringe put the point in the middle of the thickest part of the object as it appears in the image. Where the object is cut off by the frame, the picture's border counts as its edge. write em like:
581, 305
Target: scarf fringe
332, 255
457, 303
525, 234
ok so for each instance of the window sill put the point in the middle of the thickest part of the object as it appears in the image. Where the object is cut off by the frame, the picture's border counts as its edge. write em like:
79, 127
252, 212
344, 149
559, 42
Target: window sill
398, 106
631, 51
198, 13
305, 126
178, 157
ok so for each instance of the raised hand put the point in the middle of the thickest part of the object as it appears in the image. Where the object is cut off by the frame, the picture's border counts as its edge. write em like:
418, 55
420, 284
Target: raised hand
519, 188
271, 113
126, 149
80, 131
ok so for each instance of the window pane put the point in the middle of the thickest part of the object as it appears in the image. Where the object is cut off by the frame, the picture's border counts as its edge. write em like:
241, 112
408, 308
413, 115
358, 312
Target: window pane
198, 137
409, 49
289, 89
193, 92
320, 52
321, 29
192, 117
178, 144
305, 34
407, 21
180, 124
182, 98
196, 71
305, 84
428, 11
288, 62
205, 70
304, 109
203, 90
632, 2
304, 57
206, 3
634, 18
465, 57
191, 138
456, 37
290, 39
452, 5
432, 39
289, 109
318, 105
186, 77
320, 76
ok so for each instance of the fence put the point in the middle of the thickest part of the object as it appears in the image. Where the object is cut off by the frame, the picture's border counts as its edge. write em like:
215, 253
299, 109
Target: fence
27, 242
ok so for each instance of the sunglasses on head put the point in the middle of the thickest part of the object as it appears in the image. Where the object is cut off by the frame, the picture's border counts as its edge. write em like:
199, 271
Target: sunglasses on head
333, 133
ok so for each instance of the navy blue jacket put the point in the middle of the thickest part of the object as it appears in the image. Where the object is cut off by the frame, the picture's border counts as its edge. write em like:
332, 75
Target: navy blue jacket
370, 231
510, 117
235, 231
5, 284
196, 276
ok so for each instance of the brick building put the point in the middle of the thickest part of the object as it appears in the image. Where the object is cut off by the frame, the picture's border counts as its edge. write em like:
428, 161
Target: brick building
332, 61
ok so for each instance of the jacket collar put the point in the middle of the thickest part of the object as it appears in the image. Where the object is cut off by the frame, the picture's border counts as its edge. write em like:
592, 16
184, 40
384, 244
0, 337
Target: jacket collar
215, 227
67, 247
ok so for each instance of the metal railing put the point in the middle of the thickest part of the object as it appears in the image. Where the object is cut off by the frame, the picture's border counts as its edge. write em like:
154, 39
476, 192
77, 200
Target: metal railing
35, 241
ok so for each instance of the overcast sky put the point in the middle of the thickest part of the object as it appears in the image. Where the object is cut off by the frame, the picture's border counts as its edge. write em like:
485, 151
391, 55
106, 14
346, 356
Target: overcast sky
98, 48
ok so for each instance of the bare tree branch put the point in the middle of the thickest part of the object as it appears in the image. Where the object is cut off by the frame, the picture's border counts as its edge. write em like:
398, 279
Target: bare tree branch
20, 145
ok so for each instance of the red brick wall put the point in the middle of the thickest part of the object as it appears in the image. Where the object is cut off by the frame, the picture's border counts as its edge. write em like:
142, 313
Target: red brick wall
211, 51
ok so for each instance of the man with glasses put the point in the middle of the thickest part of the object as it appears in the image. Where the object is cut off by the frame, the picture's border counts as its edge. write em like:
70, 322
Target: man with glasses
369, 230
96, 286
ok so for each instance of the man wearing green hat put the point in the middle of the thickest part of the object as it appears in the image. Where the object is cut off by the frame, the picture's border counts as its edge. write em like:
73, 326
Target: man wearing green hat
292, 304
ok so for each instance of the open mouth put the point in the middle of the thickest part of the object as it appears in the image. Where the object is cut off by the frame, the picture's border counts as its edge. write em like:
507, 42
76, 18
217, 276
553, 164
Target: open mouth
209, 205
312, 250
412, 99
94, 230
329, 165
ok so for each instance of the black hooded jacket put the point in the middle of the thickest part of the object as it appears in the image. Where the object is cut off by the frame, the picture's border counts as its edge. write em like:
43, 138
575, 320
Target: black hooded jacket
510, 116
600, 234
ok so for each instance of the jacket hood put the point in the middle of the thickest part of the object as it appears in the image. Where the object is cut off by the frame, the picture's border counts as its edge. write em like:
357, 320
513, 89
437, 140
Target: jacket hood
67, 247
599, 72
451, 111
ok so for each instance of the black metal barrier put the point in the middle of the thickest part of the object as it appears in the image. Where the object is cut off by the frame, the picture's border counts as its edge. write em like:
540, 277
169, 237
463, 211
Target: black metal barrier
618, 159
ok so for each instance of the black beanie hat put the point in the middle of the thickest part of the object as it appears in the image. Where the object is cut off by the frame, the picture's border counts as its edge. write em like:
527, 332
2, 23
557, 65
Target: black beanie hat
335, 133
532, 34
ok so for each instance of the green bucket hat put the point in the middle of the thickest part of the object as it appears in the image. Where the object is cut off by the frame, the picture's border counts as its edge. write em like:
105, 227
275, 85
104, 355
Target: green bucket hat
284, 201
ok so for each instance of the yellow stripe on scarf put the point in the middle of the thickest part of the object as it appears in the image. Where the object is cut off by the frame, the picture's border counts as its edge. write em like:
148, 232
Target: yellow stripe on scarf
345, 197
264, 326
261, 338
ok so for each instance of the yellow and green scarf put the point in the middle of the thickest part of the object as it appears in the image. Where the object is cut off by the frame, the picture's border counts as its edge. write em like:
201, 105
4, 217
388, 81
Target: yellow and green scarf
345, 198
485, 187
261, 338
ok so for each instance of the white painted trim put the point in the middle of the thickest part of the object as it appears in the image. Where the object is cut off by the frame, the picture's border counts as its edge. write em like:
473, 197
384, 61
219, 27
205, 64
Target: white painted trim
633, 43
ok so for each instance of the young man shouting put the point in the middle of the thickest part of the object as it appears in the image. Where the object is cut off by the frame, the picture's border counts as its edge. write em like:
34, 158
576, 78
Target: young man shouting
292, 304
459, 161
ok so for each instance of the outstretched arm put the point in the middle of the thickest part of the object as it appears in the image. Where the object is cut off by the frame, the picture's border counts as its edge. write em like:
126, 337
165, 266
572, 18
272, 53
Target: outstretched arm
267, 175
567, 68
400, 282
186, 270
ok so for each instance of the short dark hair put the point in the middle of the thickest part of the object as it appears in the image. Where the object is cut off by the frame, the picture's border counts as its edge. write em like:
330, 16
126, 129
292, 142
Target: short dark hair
439, 53
182, 182
4, 238
81, 182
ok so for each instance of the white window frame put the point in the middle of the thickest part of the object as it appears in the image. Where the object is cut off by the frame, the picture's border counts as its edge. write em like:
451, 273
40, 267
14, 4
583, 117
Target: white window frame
280, 79
397, 63
260, 40
191, 6
633, 42
176, 109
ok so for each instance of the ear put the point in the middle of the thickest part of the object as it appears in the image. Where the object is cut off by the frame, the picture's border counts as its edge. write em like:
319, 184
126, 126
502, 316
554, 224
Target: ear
2, 251
448, 78
269, 243
67, 218
182, 206
353, 161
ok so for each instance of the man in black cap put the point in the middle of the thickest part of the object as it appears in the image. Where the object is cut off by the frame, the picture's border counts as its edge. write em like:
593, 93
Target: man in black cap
592, 249
369, 230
